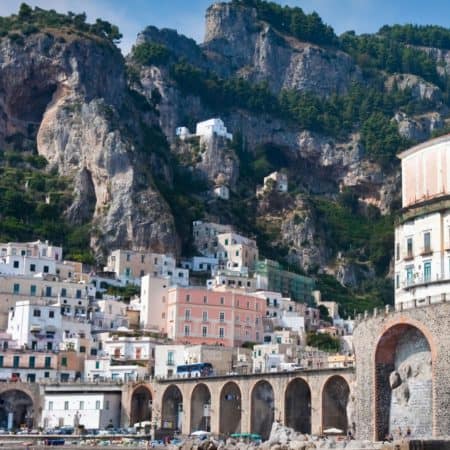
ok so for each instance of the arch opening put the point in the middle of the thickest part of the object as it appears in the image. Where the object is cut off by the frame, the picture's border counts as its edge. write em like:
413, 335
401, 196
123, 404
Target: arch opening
403, 382
141, 405
230, 409
335, 397
200, 408
297, 400
262, 408
172, 409
16, 409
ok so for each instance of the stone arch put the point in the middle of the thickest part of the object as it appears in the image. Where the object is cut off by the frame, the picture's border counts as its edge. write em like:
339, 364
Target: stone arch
335, 398
141, 404
230, 409
404, 358
172, 408
17, 404
297, 409
262, 408
200, 408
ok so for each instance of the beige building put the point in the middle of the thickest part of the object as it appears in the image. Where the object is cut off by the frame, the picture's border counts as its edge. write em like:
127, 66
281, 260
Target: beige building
153, 303
205, 236
422, 234
131, 266
72, 297
237, 252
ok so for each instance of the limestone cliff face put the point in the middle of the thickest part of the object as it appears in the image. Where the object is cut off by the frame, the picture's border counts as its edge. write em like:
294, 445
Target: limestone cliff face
254, 50
67, 93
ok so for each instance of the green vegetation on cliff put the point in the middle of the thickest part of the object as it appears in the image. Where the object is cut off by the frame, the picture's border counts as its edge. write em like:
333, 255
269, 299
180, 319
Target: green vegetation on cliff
29, 21
33, 202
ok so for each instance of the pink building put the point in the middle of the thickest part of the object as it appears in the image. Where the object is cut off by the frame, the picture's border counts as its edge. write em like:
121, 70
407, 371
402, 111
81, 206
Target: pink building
197, 315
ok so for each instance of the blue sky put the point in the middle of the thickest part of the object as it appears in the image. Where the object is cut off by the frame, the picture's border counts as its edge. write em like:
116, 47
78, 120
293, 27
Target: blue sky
187, 16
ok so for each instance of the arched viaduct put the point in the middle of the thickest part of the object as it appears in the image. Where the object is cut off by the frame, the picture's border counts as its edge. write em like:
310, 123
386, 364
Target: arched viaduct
402, 371
308, 401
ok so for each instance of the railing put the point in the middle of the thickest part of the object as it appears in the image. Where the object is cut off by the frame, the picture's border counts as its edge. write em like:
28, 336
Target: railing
415, 303
425, 279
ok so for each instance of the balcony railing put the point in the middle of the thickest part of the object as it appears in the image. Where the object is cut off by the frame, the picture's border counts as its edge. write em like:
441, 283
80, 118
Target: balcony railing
425, 251
408, 256
425, 279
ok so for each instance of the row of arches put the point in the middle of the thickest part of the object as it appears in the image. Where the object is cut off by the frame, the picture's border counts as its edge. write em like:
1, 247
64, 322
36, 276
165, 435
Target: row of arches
297, 413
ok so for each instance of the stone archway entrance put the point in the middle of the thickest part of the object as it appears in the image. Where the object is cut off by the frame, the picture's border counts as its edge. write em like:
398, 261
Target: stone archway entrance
200, 408
16, 409
335, 397
172, 409
141, 405
403, 382
230, 409
297, 400
262, 408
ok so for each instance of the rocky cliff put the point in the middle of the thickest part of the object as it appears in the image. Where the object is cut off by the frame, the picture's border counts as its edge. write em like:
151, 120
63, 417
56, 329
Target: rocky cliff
319, 107
68, 96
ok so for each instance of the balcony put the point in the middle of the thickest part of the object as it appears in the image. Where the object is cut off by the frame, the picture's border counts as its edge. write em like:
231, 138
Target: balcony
426, 251
408, 257
424, 280
170, 362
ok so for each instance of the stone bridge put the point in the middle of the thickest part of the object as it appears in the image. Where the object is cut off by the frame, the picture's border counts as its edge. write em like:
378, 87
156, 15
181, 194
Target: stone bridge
402, 371
308, 401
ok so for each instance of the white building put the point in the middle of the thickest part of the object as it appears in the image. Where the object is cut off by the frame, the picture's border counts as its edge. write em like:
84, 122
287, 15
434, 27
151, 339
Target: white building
276, 180
422, 236
153, 303
126, 348
101, 369
94, 409
201, 264
222, 192
35, 325
182, 132
210, 127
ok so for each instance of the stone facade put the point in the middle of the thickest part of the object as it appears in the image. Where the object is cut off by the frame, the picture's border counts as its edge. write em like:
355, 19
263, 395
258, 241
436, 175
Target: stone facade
385, 361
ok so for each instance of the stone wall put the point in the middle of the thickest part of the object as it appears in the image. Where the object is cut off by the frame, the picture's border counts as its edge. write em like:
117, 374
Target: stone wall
403, 342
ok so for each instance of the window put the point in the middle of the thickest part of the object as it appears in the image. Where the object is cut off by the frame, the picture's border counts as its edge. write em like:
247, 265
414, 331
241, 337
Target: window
221, 332
222, 300
205, 299
16, 288
188, 298
97, 404
187, 314
205, 316
409, 276
128, 257
63, 292
427, 241
186, 330
16, 264
1, 360
33, 290
82, 349
237, 252
397, 251
204, 331
45, 270
81, 405
127, 272
78, 294
36, 313
142, 273
50, 406
49, 345
106, 404
409, 247
97, 363
31, 362
64, 361
142, 259
66, 405
170, 359
16, 361
46, 374
397, 281
427, 271
51, 314
48, 291
48, 362
222, 316
32, 267
248, 305
226, 241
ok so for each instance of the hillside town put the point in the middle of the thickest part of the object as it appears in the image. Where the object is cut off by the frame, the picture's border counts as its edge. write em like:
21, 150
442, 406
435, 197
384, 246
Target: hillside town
225, 309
